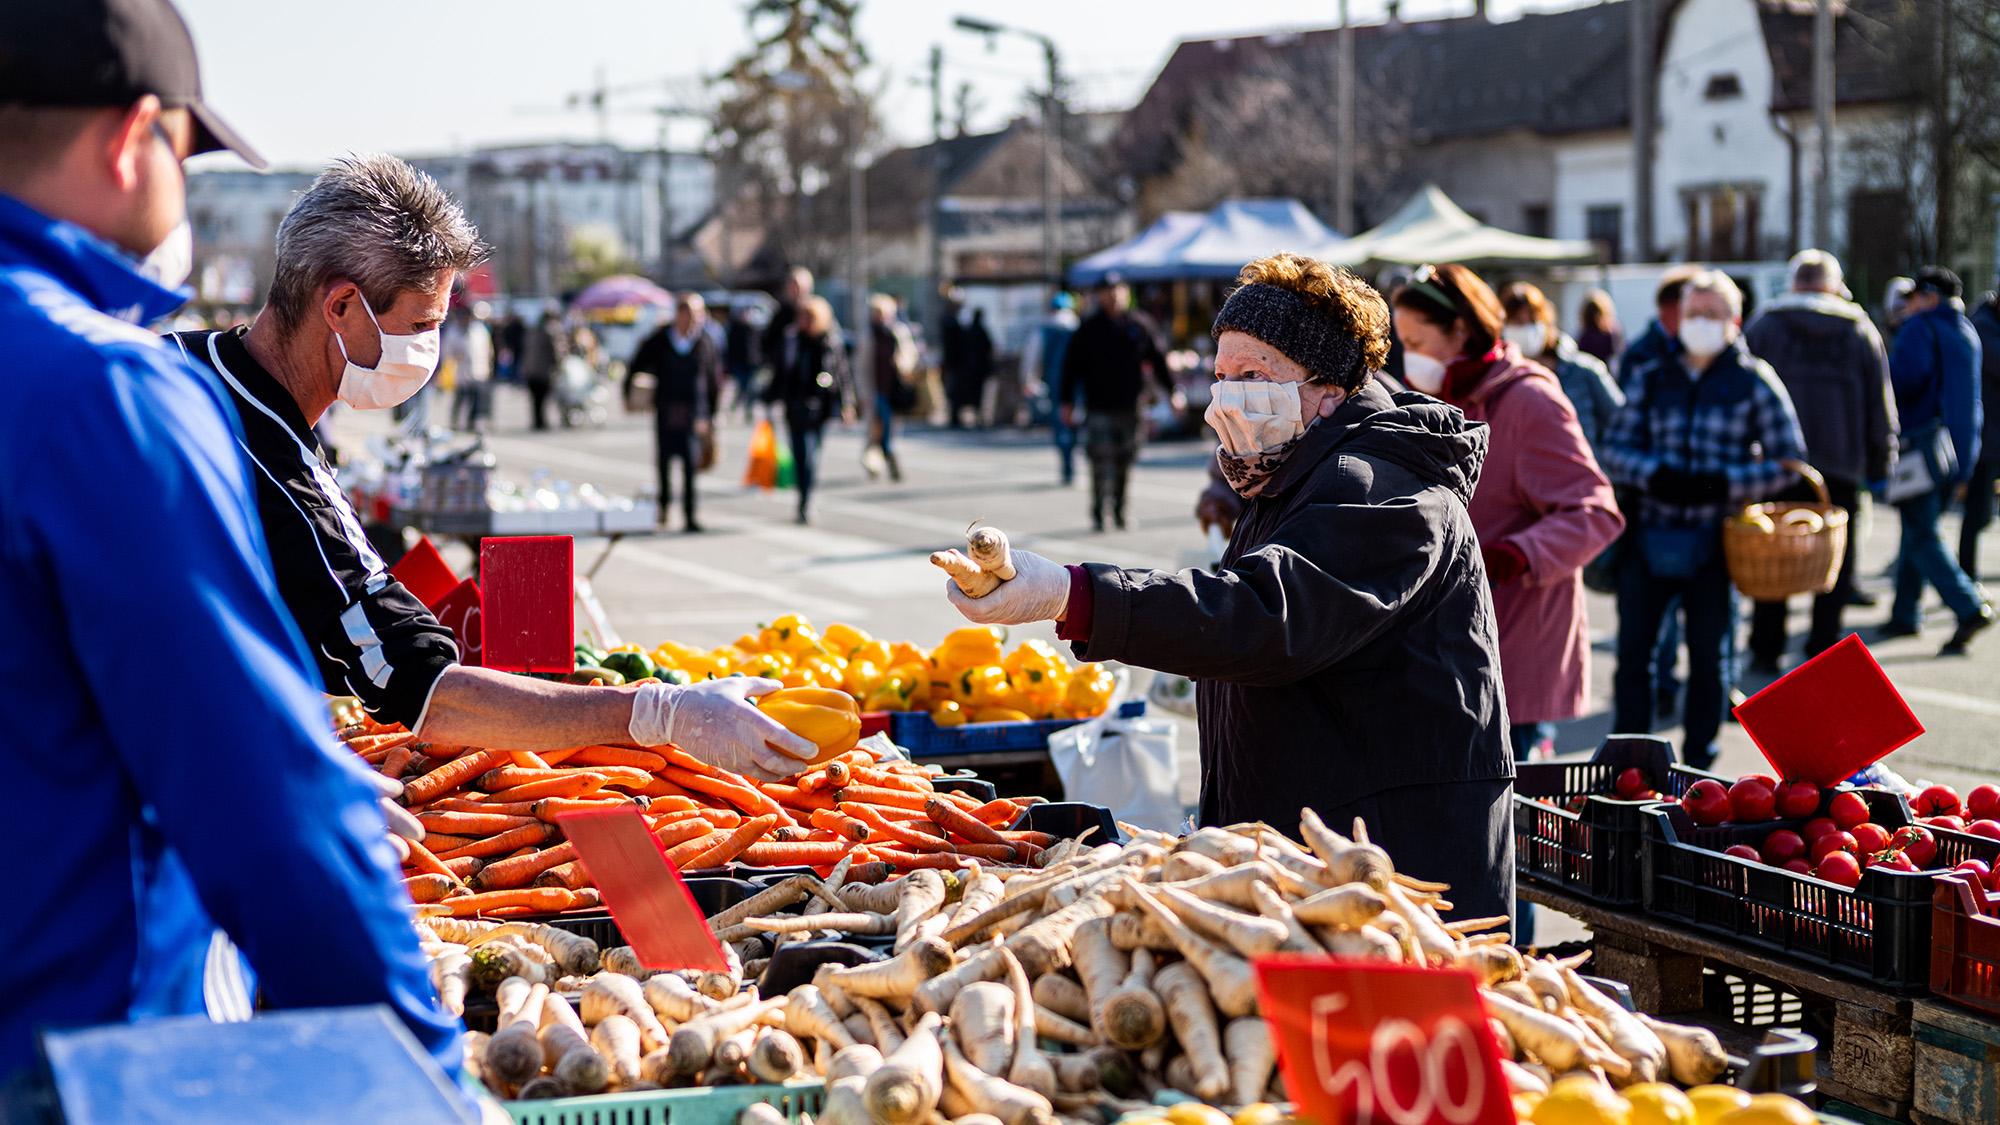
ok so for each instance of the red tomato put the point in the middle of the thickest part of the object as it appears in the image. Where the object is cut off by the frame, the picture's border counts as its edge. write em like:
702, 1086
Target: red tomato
1841, 868
1631, 782
1818, 826
1870, 837
1798, 866
1987, 828
1750, 801
1983, 803
1917, 843
1833, 842
1707, 803
1847, 810
1797, 799
1783, 846
1938, 800
1743, 851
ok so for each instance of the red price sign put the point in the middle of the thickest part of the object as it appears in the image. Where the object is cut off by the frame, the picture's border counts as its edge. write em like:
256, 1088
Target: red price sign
1372, 1044
461, 612
530, 589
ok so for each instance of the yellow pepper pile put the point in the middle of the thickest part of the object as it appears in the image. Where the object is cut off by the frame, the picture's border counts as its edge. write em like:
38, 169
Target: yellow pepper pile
969, 677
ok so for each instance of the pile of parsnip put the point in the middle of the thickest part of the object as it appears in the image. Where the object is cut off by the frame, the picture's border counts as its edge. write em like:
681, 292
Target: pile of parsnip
1077, 991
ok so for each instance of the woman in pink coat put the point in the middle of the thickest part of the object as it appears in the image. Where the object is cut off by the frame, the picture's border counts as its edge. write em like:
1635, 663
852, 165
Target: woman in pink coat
1542, 508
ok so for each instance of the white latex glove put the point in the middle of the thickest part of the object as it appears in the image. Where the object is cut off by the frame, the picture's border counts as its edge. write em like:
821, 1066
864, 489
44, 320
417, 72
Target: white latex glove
714, 721
1039, 591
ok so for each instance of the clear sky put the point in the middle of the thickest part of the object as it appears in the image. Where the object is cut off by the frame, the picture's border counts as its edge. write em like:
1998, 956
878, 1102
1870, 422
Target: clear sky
307, 81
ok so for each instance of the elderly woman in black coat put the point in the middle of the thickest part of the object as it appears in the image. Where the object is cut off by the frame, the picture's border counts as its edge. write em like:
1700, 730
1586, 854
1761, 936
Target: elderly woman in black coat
1345, 656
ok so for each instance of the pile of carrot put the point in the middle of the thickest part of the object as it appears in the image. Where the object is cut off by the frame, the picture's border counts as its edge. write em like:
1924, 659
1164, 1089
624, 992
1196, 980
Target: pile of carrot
493, 843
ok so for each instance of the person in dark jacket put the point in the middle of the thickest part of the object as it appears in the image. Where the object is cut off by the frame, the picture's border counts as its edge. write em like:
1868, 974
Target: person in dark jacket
1829, 356
1935, 369
1660, 337
1345, 654
740, 358
893, 355
681, 358
1979, 486
810, 377
1598, 333
972, 367
1531, 325
794, 291
1702, 432
1108, 359
542, 349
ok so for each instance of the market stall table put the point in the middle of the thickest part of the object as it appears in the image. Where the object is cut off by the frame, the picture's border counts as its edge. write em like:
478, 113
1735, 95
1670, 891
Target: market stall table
1867, 1055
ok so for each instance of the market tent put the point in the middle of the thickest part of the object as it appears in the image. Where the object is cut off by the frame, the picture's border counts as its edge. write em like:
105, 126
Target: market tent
1431, 228
1144, 250
622, 291
1182, 245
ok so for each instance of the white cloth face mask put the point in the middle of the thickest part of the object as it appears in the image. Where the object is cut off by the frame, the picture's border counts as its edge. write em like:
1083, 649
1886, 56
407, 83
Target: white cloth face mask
406, 365
1704, 336
1252, 416
1423, 372
1530, 338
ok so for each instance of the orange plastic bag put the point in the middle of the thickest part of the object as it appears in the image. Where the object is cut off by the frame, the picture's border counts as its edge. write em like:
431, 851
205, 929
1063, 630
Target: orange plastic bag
763, 470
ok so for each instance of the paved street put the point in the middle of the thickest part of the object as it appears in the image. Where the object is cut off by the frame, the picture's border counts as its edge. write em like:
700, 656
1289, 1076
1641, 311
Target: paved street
864, 561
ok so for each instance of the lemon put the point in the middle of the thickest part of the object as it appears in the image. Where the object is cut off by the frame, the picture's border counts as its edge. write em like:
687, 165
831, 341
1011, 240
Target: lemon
1581, 1101
1769, 1109
1195, 1113
1525, 1102
1711, 1102
1656, 1103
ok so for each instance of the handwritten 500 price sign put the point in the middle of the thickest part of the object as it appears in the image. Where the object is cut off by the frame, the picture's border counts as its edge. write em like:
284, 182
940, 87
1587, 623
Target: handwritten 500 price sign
1363, 1043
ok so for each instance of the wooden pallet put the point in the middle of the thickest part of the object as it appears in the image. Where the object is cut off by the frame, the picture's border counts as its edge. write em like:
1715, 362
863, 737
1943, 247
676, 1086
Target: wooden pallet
1866, 1055
1957, 1066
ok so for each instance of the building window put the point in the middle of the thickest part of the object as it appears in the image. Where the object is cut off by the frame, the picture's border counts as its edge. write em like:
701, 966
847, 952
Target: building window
1606, 227
1724, 222
1722, 87
1535, 219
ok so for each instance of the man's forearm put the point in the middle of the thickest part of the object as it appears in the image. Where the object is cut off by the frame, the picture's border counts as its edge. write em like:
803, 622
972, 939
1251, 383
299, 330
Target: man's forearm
481, 707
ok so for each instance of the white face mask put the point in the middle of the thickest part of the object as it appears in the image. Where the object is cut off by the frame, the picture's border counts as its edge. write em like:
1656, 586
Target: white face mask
1704, 337
172, 260
1252, 416
1530, 338
405, 366
1423, 372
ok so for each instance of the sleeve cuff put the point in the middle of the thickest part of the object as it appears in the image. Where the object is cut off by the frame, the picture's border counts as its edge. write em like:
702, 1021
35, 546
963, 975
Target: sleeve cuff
1078, 616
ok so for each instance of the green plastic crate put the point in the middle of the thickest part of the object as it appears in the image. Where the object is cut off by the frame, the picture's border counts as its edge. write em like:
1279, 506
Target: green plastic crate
716, 1105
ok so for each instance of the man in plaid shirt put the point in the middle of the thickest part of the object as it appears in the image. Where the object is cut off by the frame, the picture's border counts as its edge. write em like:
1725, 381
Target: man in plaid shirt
1705, 429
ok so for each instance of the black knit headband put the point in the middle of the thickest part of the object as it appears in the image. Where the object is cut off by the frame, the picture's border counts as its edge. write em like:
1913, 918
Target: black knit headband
1288, 322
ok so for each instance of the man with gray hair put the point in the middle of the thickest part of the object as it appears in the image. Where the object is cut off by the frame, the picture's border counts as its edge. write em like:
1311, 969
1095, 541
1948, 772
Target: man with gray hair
1826, 351
1706, 428
366, 261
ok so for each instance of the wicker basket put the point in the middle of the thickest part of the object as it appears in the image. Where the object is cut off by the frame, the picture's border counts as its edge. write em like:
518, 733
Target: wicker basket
1770, 567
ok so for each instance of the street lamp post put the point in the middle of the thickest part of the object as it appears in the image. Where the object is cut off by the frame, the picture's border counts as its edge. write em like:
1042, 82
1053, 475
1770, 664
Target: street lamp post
1051, 144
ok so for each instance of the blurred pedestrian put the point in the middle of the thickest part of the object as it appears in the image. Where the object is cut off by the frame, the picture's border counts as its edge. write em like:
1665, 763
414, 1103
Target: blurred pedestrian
542, 350
1826, 351
794, 291
810, 377
507, 352
975, 367
680, 356
468, 344
1531, 326
740, 357
1935, 367
1598, 333
1041, 371
895, 358
1895, 306
1660, 339
1542, 508
1704, 430
1107, 363
1979, 486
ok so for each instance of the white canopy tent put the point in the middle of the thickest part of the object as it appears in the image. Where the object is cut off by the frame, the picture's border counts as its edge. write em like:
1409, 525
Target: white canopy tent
1431, 228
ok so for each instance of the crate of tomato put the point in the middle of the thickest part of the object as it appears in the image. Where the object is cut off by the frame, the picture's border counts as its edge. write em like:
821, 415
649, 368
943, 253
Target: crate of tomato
1577, 825
1839, 878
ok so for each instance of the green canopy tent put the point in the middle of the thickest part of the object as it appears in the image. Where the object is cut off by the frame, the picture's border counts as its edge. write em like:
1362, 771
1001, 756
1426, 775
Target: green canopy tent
1431, 228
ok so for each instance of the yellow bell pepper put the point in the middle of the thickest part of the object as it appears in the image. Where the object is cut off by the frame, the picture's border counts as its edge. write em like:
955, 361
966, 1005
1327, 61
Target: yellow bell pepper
702, 667
771, 664
1089, 691
827, 717
790, 633
948, 714
625, 648
844, 639
904, 653
1001, 715
825, 673
1039, 673
749, 643
860, 678
983, 686
885, 698
971, 647
872, 652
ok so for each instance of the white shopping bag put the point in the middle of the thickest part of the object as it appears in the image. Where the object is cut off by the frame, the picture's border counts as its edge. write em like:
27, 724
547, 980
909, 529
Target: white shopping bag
1126, 765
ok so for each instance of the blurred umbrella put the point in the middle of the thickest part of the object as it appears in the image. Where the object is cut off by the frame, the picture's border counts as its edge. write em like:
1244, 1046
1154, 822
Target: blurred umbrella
621, 291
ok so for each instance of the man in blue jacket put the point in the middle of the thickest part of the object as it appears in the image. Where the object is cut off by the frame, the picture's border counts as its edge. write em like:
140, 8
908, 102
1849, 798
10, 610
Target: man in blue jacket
161, 729
1934, 367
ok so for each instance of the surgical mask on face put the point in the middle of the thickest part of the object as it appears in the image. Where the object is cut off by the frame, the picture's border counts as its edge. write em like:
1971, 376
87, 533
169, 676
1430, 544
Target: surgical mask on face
1252, 416
1423, 372
405, 366
172, 260
1530, 338
1704, 337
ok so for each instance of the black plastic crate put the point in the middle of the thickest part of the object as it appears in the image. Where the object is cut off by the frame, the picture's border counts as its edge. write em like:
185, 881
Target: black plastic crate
1592, 852
1064, 819
1877, 932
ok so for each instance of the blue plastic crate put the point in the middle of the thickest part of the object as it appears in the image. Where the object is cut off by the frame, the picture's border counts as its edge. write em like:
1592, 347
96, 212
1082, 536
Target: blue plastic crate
916, 732
714, 1105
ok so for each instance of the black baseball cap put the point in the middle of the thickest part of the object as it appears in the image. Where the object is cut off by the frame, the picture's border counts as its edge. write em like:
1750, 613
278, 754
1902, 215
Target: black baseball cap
107, 53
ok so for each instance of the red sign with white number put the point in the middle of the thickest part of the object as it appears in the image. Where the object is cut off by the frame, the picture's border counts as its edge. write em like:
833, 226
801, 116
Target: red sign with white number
1364, 1043
461, 612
